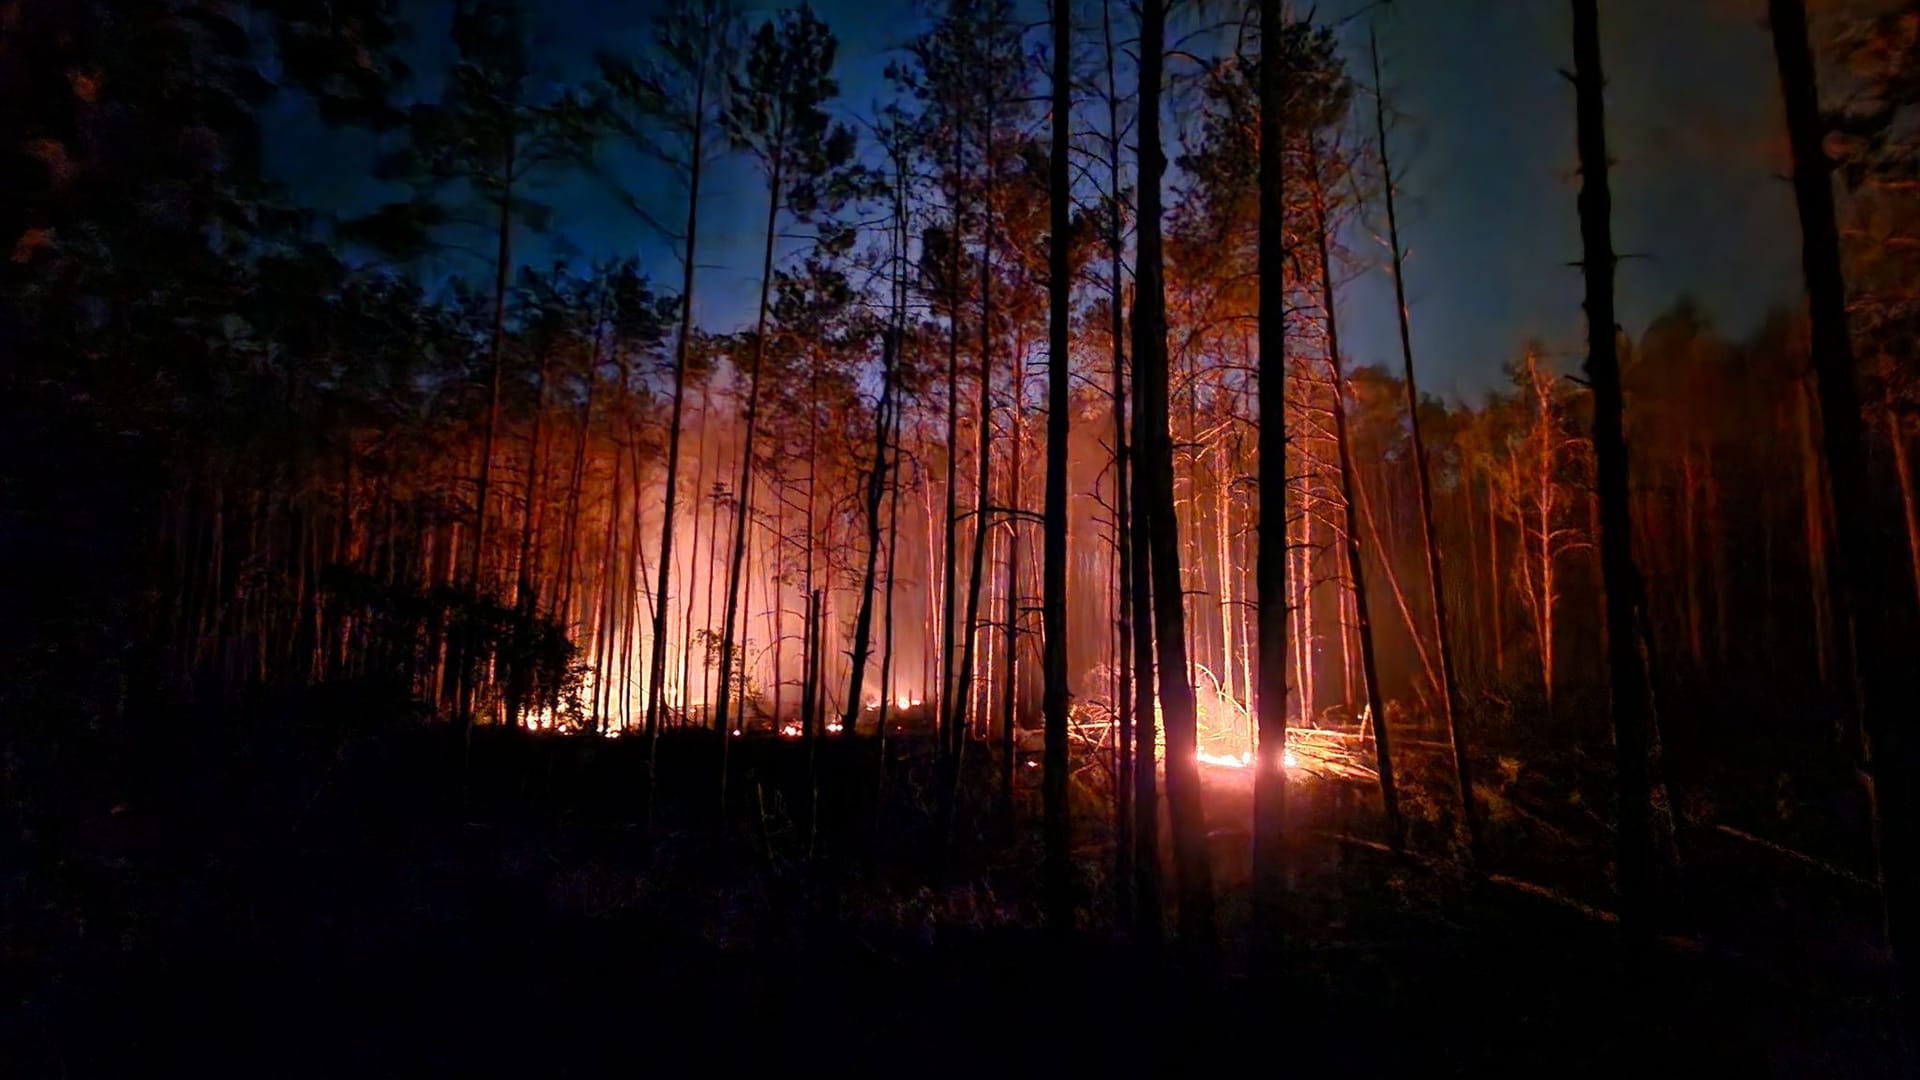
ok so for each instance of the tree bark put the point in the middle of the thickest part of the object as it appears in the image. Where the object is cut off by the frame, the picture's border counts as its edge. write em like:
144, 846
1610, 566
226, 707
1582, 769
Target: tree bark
1124, 774
657, 659
877, 476
1630, 694
1369, 669
1270, 697
743, 498
1191, 854
1449, 688
1858, 558
1053, 660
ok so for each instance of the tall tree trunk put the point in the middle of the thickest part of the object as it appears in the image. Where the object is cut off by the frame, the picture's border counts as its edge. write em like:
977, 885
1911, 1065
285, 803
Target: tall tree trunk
1270, 692
693, 559
1903, 475
743, 518
525, 592
657, 658
1690, 552
951, 692
1813, 491
970, 627
1449, 689
1010, 600
1053, 661
1629, 691
1124, 885
1882, 673
1369, 670
502, 270
876, 491
1497, 594
1156, 474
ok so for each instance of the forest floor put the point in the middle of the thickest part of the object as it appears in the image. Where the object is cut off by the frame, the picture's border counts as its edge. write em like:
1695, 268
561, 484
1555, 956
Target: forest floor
359, 903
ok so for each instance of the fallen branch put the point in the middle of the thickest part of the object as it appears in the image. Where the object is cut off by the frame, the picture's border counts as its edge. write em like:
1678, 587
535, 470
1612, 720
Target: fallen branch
1802, 857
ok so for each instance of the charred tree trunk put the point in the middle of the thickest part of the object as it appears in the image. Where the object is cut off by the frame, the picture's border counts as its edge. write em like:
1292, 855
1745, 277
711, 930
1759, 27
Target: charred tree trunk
1858, 557
1156, 475
743, 518
657, 658
503, 254
1010, 602
1903, 475
1369, 670
876, 491
1270, 696
1449, 688
1630, 693
1053, 660
1123, 541
1149, 898
950, 688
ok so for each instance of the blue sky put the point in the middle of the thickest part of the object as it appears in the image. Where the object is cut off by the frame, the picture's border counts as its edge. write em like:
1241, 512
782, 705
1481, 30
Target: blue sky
1483, 145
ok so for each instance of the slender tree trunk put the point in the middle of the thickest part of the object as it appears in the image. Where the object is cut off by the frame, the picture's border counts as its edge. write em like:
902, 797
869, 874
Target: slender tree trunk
1223, 568
1882, 674
1903, 475
1813, 488
1497, 594
1010, 641
1303, 589
1149, 898
571, 538
1124, 779
1690, 545
1169, 603
889, 684
1270, 697
743, 519
1054, 558
1630, 692
1369, 670
970, 628
693, 558
526, 601
657, 658
1449, 689
950, 704
476, 579
876, 491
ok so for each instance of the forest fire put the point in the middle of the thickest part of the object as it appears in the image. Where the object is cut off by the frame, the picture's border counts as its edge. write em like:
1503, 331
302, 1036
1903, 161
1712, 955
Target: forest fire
872, 556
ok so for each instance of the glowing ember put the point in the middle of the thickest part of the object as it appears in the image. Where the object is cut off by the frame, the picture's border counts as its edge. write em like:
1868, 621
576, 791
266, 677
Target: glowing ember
790, 730
835, 727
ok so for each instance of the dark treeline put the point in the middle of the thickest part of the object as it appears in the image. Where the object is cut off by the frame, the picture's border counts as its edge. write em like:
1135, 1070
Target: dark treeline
987, 445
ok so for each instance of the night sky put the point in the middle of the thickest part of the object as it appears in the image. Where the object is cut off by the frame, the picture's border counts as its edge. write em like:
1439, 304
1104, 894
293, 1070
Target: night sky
1484, 147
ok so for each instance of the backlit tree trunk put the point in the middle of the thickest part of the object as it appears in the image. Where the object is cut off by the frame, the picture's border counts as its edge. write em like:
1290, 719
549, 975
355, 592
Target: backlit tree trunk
1054, 557
1369, 670
1882, 669
1156, 474
1629, 692
1270, 691
1449, 689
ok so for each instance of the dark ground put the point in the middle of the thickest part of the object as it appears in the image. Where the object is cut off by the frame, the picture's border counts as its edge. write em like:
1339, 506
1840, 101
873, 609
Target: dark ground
289, 899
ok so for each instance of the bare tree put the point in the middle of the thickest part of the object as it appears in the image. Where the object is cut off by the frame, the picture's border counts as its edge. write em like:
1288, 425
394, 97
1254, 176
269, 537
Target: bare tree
1857, 559
1630, 690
